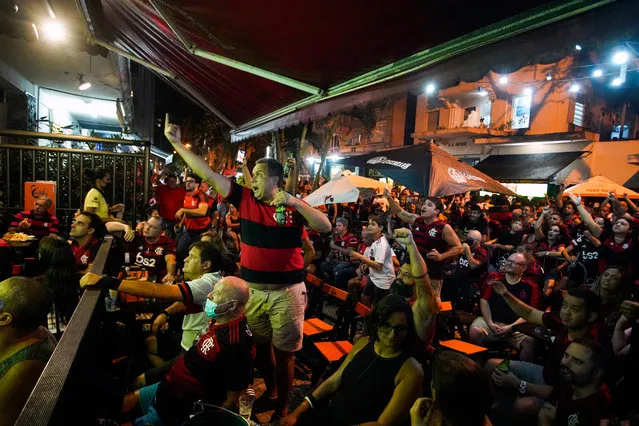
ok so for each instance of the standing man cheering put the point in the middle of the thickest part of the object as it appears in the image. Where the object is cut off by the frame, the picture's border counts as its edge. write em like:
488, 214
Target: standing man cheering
436, 240
271, 262
193, 215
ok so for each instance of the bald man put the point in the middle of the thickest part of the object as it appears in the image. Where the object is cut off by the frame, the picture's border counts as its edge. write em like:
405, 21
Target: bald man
497, 320
37, 222
216, 369
470, 266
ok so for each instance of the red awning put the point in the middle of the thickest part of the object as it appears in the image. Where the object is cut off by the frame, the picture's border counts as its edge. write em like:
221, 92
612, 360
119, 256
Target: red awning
317, 42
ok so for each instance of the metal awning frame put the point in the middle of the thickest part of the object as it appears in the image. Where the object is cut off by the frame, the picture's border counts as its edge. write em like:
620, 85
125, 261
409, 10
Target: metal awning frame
504, 29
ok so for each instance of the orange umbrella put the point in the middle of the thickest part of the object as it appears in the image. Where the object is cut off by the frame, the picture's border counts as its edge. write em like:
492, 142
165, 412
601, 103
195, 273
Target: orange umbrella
599, 186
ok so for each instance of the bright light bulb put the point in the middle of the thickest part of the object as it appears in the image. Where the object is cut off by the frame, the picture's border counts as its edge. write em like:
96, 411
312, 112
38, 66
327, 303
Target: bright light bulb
574, 88
54, 30
430, 88
84, 85
577, 47
548, 76
527, 91
616, 81
620, 57
597, 73
503, 79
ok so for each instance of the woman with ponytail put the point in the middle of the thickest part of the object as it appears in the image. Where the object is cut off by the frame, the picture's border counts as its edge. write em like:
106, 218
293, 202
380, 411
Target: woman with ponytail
95, 200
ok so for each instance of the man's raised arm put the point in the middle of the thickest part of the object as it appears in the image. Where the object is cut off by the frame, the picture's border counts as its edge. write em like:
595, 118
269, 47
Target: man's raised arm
425, 306
220, 184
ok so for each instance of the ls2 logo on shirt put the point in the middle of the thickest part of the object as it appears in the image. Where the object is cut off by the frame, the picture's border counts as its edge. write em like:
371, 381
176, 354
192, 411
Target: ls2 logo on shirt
141, 260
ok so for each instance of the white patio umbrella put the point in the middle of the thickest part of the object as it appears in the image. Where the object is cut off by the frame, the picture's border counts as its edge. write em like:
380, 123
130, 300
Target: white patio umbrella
345, 189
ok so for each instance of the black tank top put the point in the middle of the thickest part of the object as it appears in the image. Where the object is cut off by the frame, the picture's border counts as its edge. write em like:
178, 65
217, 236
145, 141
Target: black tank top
368, 383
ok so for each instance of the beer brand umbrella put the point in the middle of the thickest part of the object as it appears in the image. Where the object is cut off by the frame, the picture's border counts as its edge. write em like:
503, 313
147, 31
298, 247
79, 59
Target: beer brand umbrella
427, 169
344, 189
599, 186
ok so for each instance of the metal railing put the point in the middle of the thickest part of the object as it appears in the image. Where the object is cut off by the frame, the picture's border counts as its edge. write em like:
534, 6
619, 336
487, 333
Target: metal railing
39, 408
130, 172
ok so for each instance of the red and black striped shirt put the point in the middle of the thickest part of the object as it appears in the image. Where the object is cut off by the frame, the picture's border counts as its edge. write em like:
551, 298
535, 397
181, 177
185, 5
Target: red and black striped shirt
271, 253
40, 226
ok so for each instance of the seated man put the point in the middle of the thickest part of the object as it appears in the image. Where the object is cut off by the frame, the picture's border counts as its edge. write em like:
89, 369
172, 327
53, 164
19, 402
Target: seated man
531, 382
581, 397
201, 270
497, 319
469, 269
37, 222
87, 229
154, 251
215, 369
25, 345
338, 264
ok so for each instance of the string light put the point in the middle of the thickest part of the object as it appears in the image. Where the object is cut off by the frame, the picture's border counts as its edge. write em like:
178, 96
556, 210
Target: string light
503, 79
577, 47
597, 73
574, 88
617, 82
620, 57
548, 77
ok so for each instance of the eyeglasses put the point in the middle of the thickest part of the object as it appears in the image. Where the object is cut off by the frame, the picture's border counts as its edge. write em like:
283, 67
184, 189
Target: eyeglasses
512, 262
400, 330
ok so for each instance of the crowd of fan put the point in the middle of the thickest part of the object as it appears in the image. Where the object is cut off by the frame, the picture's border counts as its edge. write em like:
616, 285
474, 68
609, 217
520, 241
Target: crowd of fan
550, 282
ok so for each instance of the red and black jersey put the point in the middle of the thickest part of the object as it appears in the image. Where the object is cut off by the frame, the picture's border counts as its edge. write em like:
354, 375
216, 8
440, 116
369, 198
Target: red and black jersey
525, 290
221, 361
193, 201
613, 253
40, 226
428, 237
347, 241
170, 200
86, 253
150, 255
271, 253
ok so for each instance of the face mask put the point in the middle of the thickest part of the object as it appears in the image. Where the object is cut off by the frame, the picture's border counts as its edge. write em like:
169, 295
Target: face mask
209, 309
213, 310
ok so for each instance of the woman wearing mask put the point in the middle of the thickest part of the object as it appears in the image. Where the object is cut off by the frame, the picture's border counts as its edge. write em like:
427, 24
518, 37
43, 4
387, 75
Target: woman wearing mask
377, 382
95, 200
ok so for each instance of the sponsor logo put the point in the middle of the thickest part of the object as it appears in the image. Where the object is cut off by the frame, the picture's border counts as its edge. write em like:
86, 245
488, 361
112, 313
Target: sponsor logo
432, 232
385, 160
159, 251
462, 177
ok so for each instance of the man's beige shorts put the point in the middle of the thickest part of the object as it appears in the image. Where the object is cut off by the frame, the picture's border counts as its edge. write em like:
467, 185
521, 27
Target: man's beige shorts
515, 339
278, 315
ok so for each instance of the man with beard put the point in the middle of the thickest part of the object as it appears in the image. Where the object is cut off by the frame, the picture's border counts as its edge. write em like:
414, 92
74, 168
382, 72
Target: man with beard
193, 214
271, 223
472, 220
437, 242
580, 398
170, 198
531, 382
497, 320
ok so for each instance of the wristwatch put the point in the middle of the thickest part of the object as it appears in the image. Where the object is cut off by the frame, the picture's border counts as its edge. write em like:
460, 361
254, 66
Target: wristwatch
523, 387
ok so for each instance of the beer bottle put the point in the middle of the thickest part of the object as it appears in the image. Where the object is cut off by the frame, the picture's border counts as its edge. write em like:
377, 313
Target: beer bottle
504, 365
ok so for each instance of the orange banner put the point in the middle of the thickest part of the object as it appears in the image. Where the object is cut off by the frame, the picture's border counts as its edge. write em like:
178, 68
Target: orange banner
33, 190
